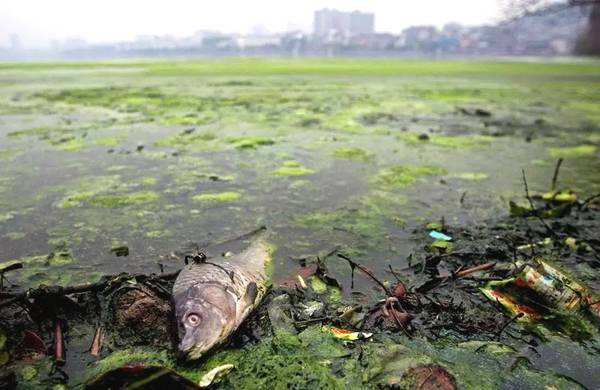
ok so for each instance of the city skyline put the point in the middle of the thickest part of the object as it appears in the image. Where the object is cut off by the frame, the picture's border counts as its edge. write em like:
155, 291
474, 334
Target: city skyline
38, 23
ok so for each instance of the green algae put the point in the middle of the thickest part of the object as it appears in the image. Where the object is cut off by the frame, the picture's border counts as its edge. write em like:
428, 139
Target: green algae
317, 285
353, 154
159, 233
291, 164
217, 197
9, 154
109, 200
15, 235
471, 176
405, 175
185, 139
148, 181
110, 141
72, 145
250, 142
315, 359
368, 217
114, 201
293, 171
279, 362
574, 151
50, 269
106, 192
6, 217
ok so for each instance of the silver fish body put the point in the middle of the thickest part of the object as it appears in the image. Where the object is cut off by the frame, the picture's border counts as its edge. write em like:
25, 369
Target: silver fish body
212, 299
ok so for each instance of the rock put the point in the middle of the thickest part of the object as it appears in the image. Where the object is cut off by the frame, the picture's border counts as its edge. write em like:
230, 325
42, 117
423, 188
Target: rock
423, 137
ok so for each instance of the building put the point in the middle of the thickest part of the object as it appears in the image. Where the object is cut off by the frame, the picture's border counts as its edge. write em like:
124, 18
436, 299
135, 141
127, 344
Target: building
333, 22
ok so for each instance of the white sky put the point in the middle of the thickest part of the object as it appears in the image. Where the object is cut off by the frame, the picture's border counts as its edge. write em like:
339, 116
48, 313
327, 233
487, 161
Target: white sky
39, 21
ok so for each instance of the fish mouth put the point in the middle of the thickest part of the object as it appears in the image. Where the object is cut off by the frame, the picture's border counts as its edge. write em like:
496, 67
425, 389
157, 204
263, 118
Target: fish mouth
188, 349
189, 353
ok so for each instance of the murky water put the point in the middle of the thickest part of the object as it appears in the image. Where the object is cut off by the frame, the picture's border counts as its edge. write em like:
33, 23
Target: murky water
94, 159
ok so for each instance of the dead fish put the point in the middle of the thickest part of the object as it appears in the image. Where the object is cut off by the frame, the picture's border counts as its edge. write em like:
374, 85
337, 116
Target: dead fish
212, 299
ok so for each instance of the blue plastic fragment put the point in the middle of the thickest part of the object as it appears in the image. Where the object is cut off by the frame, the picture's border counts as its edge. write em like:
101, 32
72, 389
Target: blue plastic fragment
439, 236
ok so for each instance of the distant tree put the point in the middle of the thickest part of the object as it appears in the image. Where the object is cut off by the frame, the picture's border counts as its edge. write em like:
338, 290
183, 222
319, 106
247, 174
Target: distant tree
589, 41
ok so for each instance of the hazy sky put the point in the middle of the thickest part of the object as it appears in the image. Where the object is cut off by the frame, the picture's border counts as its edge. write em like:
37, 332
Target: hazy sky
39, 21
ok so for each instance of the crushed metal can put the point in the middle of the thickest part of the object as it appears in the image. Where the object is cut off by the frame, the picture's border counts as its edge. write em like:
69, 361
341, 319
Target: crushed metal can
539, 288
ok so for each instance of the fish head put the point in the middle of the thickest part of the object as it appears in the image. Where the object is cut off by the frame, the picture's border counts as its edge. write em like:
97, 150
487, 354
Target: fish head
205, 314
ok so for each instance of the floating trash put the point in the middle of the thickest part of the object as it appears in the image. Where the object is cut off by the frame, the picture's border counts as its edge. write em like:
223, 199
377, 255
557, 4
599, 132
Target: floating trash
439, 236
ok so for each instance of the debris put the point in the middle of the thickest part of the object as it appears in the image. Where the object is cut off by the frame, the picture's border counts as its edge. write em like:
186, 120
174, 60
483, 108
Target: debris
8, 379
545, 242
442, 246
31, 344
317, 285
140, 312
352, 315
4, 355
312, 307
97, 342
556, 170
439, 236
571, 243
279, 313
434, 226
566, 196
539, 290
354, 264
214, 375
11, 267
477, 268
139, 376
59, 355
302, 282
428, 377
345, 334
120, 251
399, 290
474, 112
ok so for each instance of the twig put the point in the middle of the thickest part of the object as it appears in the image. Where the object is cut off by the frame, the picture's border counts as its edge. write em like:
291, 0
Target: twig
440, 279
556, 170
241, 237
394, 274
11, 267
59, 355
367, 272
477, 268
588, 200
46, 291
533, 210
97, 342
510, 321
8, 268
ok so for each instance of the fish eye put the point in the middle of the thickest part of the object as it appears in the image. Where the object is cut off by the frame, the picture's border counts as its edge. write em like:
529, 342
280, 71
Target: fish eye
193, 319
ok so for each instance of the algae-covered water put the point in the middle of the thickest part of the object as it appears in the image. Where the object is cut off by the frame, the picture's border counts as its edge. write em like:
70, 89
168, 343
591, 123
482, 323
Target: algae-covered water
154, 155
